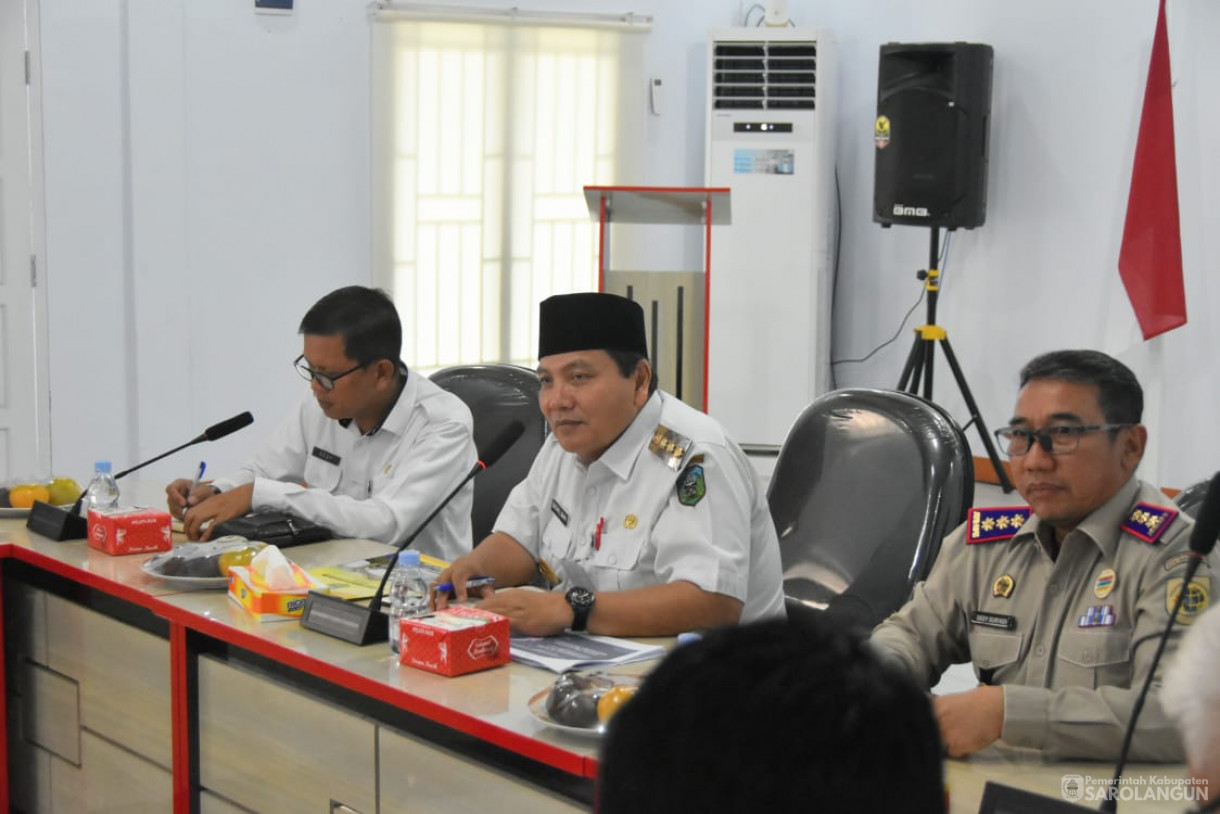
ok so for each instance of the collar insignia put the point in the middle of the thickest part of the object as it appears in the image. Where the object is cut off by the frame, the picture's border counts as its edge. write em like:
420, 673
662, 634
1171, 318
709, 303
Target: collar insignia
995, 525
1148, 522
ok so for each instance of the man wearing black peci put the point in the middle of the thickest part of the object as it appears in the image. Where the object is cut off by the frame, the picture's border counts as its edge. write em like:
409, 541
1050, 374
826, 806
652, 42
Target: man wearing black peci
639, 514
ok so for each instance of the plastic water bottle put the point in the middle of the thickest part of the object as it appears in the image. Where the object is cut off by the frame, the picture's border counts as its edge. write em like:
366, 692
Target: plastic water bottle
408, 592
102, 493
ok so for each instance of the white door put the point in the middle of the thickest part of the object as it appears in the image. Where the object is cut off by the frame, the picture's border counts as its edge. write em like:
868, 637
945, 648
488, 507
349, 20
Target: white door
24, 404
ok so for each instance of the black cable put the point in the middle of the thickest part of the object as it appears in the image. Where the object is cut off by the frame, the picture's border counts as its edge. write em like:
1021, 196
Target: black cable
889, 341
940, 261
745, 20
834, 275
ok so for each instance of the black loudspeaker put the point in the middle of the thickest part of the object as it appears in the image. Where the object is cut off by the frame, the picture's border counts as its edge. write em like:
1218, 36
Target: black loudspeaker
933, 111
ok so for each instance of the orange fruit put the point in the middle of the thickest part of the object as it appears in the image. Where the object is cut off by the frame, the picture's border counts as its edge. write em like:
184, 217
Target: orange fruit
23, 495
612, 699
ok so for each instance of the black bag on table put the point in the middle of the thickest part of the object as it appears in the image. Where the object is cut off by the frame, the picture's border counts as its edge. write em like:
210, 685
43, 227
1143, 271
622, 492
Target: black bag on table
279, 529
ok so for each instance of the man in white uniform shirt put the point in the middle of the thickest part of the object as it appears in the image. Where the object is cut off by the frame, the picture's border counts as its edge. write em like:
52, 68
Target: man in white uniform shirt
369, 453
639, 514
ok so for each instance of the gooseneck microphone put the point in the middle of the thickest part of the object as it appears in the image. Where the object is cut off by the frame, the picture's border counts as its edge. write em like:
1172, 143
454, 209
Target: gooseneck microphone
1202, 541
212, 433
58, 524
366, 624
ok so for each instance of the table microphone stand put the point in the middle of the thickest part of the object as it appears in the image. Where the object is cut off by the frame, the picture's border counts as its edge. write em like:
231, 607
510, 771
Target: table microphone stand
919, 362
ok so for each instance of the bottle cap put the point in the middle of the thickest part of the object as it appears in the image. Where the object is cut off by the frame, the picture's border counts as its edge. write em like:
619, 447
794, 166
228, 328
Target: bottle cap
409, 558
102, 466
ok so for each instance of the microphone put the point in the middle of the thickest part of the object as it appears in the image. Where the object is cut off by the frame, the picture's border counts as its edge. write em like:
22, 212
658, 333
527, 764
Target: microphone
365, 624
59, 525
1202, 541
212, 433
226, 427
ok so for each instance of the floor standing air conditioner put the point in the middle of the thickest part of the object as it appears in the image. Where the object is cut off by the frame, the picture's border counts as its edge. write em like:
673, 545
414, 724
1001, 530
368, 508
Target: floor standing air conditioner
770, 139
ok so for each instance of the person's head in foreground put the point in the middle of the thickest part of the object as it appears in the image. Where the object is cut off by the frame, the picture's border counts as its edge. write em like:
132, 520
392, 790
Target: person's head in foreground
774, 716
1190, 695
594, 368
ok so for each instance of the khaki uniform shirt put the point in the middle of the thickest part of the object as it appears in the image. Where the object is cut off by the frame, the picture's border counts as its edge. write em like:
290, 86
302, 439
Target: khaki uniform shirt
672, 499
1070, 639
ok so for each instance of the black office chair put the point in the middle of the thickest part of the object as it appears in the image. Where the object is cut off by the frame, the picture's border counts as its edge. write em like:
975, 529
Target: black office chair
496, 394
866, 485
1190, 499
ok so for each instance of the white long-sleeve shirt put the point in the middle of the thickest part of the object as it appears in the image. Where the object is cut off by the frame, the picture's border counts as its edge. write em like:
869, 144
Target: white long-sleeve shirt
379, 486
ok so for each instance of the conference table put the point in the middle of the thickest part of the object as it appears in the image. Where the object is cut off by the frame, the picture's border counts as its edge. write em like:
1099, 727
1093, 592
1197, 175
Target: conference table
126, 692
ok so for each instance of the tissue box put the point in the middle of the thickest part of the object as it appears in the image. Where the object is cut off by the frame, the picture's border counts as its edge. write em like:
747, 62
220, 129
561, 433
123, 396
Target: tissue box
270, 605
130, 531
454, 641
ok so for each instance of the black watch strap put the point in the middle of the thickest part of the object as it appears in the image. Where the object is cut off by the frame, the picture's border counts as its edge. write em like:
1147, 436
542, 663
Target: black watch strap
581, 600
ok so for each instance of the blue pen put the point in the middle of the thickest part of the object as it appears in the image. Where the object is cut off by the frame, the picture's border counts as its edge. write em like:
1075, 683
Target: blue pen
473, 582
203, 465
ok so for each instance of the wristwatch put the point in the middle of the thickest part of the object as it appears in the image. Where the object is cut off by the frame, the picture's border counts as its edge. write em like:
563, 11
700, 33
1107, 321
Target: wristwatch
581, 600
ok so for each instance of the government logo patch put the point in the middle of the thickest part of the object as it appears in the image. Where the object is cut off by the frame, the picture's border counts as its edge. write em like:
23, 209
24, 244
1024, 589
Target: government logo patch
1197, 599
691, 486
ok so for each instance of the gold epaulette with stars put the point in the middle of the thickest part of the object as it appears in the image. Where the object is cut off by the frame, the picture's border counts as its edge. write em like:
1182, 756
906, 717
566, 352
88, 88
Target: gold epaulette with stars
995, 525
671, 447
1148, 522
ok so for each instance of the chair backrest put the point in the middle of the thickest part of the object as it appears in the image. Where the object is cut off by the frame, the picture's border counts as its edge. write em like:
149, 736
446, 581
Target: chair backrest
1190, 499
497, 394
866, 485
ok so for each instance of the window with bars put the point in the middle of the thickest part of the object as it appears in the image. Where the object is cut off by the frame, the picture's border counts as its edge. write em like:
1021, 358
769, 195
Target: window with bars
485, 136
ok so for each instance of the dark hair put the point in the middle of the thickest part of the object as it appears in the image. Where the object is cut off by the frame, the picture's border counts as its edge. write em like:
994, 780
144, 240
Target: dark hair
366, 319
774, 716
628, 361
1118, 391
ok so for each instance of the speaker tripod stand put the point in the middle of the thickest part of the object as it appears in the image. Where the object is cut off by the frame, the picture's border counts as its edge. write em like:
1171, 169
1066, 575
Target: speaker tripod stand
919, 362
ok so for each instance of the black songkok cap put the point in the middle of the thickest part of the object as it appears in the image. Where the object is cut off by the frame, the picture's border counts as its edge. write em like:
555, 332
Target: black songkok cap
572, 322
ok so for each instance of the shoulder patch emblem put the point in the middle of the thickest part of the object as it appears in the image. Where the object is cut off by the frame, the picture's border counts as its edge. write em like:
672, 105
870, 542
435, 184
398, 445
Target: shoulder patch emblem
995, 525
1197, 599
691, 486
671, 447
1148, 522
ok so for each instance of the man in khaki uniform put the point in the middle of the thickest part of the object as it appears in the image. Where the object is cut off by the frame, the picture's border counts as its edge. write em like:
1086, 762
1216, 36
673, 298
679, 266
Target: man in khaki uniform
1059, 606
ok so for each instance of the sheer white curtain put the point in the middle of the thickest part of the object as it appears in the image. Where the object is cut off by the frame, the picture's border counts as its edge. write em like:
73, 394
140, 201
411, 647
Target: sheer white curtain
485, 134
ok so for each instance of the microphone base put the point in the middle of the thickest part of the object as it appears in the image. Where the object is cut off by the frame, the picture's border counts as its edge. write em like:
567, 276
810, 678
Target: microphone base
342, 619
55, 523
1001, 799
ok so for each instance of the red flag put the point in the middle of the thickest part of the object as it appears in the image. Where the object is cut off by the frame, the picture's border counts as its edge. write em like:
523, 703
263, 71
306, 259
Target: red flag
1150, 260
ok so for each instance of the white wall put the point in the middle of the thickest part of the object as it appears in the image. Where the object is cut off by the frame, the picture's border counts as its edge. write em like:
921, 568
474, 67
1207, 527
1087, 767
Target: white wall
208, 178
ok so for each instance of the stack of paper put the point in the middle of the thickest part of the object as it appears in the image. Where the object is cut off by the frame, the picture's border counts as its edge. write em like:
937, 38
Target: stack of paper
571, 651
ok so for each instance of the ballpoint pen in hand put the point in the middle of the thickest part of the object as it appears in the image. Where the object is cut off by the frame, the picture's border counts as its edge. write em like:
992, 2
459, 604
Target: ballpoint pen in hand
203, 465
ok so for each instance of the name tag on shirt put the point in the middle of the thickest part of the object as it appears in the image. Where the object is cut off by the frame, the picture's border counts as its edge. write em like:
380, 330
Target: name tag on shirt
996, 620
324, 455
559, 512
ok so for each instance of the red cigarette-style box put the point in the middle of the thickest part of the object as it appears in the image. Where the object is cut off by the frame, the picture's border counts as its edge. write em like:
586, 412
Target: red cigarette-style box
130, 531
454, 641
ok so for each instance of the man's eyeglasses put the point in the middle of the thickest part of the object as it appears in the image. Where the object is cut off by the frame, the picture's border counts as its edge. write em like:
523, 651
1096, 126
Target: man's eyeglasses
1057, 439
326, 381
